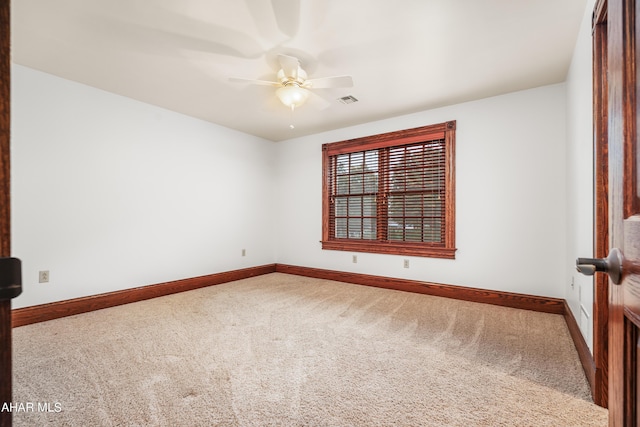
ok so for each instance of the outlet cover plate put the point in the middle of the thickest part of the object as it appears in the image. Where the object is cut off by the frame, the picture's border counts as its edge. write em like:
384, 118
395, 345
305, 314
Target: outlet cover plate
43, 276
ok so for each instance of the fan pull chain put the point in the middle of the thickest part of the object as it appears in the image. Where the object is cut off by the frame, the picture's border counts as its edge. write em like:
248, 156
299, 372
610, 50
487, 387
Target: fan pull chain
291, 126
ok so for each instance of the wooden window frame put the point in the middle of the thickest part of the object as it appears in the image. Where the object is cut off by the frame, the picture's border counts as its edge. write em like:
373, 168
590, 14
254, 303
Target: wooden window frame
447, 248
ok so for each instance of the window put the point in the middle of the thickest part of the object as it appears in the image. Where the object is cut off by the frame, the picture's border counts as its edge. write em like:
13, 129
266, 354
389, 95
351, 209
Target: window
391, 193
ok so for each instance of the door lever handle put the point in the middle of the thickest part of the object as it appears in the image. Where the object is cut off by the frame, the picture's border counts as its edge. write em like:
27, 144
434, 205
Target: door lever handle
612, 265
586, 267
10, 278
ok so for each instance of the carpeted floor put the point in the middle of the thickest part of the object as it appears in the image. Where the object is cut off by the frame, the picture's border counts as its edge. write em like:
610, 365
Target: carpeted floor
282, 350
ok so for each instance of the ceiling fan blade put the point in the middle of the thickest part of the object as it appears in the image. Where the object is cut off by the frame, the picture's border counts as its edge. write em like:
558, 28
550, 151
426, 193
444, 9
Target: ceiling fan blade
159, 30
255, 82
277, 20
289, 65
262, 14
318, 101
287, 13
329, 82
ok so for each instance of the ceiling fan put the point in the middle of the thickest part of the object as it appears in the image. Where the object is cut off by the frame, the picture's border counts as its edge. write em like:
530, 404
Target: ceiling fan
293, 85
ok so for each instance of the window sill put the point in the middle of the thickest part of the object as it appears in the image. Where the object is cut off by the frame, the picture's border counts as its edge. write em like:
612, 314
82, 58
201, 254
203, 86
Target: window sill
411, 249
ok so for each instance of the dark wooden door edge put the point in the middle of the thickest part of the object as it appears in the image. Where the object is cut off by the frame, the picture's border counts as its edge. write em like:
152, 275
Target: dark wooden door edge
601, 202
5, 206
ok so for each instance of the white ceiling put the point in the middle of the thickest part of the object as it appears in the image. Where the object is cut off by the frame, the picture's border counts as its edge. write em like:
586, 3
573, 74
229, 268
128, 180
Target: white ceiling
404, 55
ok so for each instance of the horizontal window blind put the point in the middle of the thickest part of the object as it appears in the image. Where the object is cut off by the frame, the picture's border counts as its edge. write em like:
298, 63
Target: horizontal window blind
408, 205
354, 189
391, 193
416, 196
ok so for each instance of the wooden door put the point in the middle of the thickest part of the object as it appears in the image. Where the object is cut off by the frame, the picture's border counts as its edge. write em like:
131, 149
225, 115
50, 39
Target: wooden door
5, 244
624, 209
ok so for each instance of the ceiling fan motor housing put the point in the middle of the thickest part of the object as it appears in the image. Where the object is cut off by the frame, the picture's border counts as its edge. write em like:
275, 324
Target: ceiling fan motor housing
297, 80
292, 84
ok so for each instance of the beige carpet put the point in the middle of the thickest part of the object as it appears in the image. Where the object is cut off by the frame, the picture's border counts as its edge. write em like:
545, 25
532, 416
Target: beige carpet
282, 350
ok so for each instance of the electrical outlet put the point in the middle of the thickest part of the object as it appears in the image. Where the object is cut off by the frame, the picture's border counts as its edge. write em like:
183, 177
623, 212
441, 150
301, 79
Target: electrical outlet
244, 252
354, 259
43, 276
406, 263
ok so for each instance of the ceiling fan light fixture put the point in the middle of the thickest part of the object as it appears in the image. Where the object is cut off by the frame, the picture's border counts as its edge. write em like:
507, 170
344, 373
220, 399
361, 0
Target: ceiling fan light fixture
292, 95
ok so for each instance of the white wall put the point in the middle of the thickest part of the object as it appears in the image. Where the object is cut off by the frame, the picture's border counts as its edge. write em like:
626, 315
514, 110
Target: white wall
510, 197
580, 177
109, 193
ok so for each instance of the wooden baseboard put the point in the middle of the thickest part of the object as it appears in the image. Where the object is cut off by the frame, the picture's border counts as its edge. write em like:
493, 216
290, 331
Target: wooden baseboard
55, 310
586, 358
505, 299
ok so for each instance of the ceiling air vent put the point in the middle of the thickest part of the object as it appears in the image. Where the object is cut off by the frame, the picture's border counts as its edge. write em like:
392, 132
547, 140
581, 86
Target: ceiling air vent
348, 99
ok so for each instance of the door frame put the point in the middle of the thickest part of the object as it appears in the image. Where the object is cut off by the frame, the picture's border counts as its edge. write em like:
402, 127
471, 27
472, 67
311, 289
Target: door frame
599, 388
5, 206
